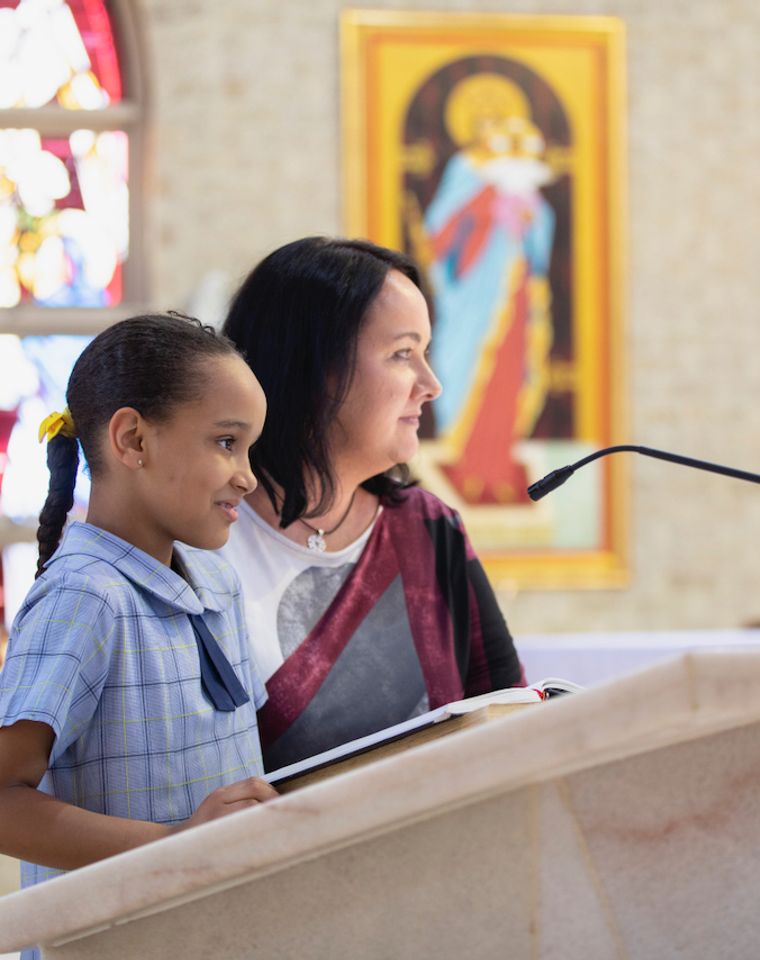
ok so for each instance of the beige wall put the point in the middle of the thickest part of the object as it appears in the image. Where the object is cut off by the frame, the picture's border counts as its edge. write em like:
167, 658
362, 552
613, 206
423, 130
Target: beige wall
243, 154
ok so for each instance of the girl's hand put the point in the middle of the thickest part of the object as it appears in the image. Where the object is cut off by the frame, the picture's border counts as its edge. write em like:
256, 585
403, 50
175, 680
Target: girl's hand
224, 800
35, 826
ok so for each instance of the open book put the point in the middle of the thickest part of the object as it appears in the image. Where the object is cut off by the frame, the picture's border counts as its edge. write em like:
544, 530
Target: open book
426, 726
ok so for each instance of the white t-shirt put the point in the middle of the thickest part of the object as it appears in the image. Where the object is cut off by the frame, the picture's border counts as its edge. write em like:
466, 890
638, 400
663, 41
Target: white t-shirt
286, 586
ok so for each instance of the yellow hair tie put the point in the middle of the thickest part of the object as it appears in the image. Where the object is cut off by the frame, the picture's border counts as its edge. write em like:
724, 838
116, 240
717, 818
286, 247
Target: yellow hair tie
57, 423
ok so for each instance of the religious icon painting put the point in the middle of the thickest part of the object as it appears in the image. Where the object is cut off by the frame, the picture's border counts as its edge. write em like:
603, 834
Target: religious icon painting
490, 148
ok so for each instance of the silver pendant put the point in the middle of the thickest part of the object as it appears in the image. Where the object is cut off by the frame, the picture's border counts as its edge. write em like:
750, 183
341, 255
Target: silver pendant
317, 542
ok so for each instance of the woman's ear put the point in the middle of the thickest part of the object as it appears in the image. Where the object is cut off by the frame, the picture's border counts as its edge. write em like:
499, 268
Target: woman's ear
126, 438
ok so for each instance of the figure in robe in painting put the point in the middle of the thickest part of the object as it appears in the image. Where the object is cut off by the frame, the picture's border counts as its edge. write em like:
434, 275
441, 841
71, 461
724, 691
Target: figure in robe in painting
490, 233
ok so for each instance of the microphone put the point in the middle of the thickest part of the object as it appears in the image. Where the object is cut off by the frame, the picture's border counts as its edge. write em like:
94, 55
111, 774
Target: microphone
556, 478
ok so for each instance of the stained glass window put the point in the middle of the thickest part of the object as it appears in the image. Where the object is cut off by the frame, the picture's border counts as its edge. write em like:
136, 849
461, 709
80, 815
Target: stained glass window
63, 218
68, 130
64, 197
34, 372
57, 52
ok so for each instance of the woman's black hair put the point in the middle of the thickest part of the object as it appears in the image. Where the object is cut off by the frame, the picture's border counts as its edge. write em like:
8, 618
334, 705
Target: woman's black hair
151, 363
296, 319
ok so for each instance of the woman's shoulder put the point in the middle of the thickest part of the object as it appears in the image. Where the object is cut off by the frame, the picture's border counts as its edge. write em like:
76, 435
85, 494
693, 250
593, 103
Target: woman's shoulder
414, 500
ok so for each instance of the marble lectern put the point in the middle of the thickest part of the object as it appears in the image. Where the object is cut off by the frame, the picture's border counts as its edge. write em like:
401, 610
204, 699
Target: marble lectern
623, 821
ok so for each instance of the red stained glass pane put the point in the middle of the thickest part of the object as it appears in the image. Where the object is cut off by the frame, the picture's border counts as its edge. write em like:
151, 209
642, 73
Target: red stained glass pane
51, 50
94, 24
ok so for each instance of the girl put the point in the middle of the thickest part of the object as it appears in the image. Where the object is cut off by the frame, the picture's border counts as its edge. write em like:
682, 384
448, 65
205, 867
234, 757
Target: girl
127, 701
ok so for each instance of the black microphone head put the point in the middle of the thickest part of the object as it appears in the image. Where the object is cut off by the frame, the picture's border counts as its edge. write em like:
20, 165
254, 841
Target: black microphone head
550, 482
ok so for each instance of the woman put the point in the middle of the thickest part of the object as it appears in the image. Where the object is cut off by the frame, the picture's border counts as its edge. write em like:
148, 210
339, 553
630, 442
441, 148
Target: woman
365, 602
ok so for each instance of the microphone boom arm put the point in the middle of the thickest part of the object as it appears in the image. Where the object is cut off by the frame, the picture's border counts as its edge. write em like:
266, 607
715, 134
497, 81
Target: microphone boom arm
556, 478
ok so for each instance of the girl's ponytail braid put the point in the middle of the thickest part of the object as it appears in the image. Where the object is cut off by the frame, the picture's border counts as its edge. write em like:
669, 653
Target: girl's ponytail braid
62, 460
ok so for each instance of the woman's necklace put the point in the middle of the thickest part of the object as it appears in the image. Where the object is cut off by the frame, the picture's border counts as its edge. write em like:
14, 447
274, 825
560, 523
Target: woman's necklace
316, 539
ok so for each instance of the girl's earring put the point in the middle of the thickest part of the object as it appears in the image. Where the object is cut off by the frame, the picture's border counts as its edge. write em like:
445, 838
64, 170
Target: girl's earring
139, 463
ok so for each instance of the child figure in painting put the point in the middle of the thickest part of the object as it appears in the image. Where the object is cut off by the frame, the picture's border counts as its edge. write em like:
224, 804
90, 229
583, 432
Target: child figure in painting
127, 700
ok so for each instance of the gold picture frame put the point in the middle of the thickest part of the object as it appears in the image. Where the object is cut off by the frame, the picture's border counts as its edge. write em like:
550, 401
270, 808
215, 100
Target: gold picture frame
491, 148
